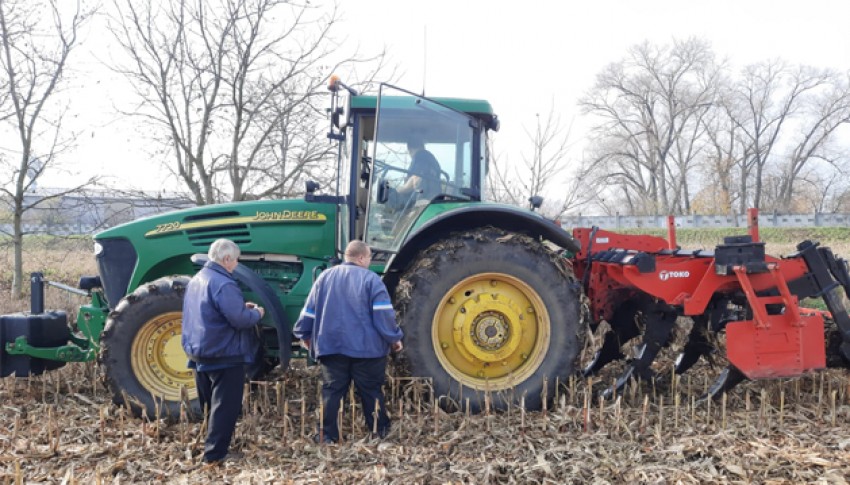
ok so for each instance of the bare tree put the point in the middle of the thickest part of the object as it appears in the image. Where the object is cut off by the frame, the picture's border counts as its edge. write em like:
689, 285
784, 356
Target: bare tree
37, 39
296, 151
549, 144
234, 88
825, 112
820, 191
674, 135
841, 200
543, 168
724, 154
650, 108
766, 104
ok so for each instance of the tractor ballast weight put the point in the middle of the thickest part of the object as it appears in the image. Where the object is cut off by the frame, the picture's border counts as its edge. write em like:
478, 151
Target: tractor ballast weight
36, 330
38, 341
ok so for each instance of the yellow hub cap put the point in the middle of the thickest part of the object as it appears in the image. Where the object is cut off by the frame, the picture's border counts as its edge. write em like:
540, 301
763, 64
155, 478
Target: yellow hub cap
158, 359
491, 331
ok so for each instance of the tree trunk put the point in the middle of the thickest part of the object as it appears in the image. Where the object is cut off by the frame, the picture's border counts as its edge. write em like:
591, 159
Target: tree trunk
18, 245
742, 208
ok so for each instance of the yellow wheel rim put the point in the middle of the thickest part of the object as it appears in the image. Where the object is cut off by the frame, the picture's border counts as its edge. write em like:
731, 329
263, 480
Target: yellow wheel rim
158, 359
491, 331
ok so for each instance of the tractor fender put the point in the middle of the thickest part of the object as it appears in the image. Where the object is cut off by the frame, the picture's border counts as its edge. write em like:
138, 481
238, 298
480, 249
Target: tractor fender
268, 300
511, 219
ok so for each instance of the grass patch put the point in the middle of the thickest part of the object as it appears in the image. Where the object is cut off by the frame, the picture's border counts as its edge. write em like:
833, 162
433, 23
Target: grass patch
778, 240
62, 259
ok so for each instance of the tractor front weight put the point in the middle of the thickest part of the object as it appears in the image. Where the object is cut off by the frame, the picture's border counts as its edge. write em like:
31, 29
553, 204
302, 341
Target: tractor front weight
37, 341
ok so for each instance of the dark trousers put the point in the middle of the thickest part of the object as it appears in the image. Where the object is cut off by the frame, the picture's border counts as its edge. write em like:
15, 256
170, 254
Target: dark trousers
368, 375
221, 392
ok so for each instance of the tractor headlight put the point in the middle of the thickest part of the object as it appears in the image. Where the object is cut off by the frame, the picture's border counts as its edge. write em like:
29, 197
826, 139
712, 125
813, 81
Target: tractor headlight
98, 248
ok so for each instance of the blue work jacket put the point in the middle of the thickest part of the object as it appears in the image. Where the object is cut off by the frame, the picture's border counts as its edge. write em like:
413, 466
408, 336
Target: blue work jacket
217, 327
348, 312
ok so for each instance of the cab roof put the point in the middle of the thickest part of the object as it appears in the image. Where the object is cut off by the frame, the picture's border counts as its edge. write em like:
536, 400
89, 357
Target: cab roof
475, 107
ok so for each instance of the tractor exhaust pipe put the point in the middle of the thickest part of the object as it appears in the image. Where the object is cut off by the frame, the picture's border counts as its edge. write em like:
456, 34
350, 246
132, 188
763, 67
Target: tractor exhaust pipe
36, 293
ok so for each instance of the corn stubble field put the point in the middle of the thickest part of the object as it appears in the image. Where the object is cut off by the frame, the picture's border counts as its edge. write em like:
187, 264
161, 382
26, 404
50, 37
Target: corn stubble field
61, 427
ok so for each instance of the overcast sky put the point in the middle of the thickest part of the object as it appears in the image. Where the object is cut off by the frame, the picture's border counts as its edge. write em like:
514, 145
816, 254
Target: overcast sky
521, 56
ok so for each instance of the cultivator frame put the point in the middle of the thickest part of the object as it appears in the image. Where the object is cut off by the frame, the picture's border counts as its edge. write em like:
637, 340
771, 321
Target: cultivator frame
642, 284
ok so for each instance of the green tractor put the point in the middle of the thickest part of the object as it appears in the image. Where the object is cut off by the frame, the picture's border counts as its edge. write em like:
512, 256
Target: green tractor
482, 291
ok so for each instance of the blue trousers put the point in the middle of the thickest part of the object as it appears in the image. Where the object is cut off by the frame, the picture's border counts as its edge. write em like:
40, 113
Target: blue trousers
220, 391
368, 375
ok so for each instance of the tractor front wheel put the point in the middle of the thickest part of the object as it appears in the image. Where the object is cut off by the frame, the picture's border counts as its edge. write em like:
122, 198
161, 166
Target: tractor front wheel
141, 350
490, 312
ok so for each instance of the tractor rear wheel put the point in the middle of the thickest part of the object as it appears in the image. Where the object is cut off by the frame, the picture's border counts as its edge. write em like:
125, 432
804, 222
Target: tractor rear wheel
490, 312
141, 350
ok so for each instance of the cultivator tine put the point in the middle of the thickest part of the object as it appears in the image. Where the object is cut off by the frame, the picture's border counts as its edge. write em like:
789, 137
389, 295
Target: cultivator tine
609, 352
621, 383
697, 346
728, 379
659, 323
623, 329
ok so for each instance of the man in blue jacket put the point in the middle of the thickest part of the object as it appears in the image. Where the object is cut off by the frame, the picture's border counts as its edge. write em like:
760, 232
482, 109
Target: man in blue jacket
220, 338
424, 171
348, 323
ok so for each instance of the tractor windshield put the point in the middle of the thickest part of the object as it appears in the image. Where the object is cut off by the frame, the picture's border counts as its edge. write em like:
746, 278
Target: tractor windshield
422, 153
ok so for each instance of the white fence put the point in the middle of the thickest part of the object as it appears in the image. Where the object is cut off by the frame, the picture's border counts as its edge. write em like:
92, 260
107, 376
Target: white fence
816, 219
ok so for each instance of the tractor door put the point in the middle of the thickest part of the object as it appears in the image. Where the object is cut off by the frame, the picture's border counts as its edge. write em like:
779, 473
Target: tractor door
423, 153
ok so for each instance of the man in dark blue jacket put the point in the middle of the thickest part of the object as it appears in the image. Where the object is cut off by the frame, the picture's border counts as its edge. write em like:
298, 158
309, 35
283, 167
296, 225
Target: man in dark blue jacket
220, 338
348, 323
423, 181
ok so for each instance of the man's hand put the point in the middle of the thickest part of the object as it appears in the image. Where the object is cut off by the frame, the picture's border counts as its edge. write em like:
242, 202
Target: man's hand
398, 347
252, 305
305, 343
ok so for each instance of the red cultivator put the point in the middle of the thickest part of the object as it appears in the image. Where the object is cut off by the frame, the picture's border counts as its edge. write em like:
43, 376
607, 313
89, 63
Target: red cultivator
643, 284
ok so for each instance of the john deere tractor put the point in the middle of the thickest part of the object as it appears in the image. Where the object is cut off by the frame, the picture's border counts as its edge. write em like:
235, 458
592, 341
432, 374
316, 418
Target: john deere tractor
481, 290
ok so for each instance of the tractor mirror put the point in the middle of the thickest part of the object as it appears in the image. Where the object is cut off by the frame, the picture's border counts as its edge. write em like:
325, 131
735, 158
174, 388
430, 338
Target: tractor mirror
383, 191
494, 124
335, 117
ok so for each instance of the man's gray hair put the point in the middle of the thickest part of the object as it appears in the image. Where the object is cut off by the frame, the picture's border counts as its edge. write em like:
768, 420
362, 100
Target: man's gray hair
223, 248
356, 249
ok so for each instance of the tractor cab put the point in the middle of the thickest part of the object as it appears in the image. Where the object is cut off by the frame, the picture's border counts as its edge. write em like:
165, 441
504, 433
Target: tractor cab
400, 153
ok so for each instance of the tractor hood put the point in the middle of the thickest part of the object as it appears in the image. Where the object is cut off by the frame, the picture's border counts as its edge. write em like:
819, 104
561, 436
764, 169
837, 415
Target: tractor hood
146, 249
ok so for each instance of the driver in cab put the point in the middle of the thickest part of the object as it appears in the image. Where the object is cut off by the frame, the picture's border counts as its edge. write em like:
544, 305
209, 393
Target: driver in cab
424, 173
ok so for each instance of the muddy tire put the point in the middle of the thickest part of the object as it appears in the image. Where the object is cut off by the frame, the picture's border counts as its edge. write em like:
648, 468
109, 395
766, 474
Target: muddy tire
490, 313
141, 351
